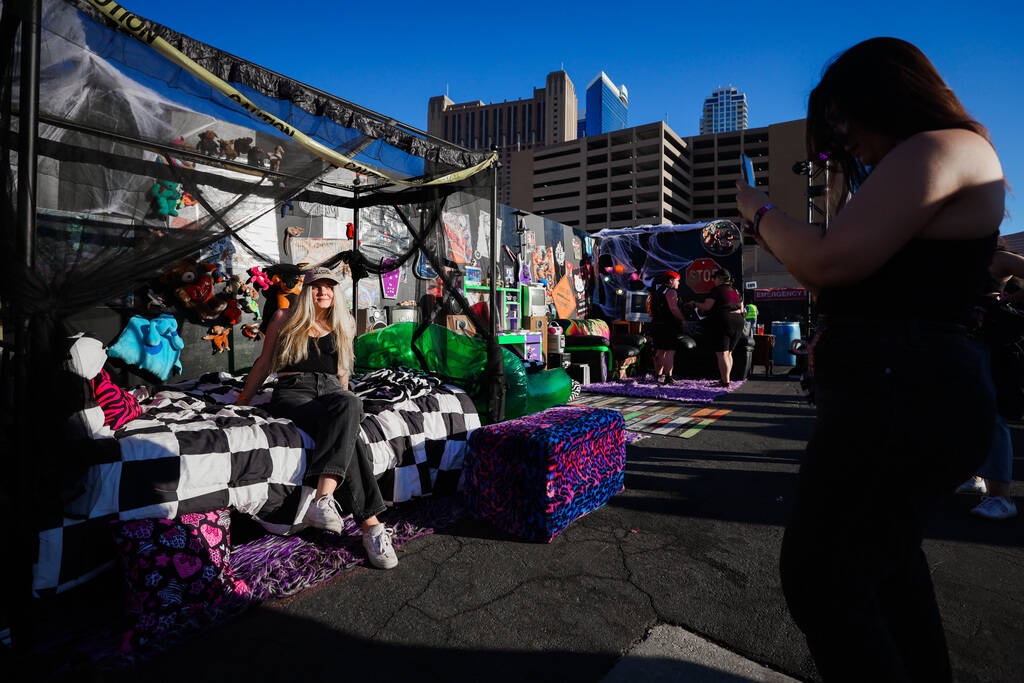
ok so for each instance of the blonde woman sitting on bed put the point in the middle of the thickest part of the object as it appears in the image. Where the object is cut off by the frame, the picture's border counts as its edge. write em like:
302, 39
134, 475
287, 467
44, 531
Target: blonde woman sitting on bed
309, 346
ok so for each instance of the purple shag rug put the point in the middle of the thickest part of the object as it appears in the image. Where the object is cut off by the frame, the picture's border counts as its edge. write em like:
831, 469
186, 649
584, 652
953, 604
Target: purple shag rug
685, 390
630, 437
274, 567
279, 566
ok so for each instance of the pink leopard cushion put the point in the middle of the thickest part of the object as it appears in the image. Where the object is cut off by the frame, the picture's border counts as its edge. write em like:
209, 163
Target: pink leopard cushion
119, 407
177, 569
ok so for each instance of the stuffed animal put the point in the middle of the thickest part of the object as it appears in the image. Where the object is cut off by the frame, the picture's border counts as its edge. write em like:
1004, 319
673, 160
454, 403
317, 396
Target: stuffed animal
242, 145
257, 156
218, 334
258, 278
248, 291
208, 143
174, 161
227, 149
288, 279
232, 312
165, 195
180, 142
155, 301
152, 345
275, 158
252, 305
222, 251
216, 271
186, 200
195, 290
252, 331
234, 285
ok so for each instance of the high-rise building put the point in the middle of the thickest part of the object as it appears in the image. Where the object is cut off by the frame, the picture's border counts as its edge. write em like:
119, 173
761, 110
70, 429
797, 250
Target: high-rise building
635, 176
724, 111
607, 106
547, 118
648, 174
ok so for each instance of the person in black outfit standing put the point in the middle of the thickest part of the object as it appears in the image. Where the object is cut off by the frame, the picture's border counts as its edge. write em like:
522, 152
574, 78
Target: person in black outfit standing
853, 572
667, 322
724, 322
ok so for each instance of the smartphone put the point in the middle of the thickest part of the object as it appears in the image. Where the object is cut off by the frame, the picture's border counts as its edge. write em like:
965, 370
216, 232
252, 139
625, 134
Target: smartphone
747, 168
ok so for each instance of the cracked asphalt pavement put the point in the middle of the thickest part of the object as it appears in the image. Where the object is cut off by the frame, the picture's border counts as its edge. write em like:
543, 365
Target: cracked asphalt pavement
693, 542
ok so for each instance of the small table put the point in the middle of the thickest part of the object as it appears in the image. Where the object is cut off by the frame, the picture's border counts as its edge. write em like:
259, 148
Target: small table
764, 348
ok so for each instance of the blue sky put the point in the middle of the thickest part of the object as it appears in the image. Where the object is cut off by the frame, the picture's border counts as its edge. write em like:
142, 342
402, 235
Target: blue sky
392, 57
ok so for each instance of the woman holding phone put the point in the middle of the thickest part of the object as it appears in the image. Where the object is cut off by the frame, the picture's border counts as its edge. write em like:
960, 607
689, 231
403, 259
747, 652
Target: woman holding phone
853, 572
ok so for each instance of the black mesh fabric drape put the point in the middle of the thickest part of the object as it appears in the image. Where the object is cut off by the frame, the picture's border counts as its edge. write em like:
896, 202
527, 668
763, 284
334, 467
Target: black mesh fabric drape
142, 163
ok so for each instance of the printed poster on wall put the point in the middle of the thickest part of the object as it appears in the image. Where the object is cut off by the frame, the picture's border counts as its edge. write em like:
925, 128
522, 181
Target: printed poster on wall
575, 277
564, 298
313, 250
456, 231
544, 265
483, 235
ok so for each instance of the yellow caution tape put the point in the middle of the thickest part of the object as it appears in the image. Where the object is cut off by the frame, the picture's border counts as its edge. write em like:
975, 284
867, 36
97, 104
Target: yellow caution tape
141, 29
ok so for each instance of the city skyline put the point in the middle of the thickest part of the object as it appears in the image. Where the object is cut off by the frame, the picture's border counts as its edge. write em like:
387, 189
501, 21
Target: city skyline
775, 55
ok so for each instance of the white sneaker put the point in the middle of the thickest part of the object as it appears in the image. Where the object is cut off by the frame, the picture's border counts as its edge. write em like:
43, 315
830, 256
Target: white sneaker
973, 485
995, 507
325, 513
379, 550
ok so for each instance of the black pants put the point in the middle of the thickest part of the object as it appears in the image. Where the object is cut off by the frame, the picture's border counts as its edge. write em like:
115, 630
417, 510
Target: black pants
903, 417
320, 407
724, 329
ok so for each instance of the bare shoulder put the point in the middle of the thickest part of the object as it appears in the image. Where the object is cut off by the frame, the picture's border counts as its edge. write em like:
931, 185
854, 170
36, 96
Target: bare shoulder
956, 151
276, 322
1007, 264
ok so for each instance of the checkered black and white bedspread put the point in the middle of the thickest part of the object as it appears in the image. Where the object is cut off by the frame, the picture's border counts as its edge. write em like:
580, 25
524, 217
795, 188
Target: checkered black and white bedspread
193, 450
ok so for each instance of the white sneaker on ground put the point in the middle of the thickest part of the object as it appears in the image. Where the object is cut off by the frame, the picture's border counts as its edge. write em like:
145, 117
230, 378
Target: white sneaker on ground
995, 507
973, 485
379, 550
325, 513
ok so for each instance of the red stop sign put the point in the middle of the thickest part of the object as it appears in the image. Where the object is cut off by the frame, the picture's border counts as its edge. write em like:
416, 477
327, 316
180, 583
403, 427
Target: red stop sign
698, 275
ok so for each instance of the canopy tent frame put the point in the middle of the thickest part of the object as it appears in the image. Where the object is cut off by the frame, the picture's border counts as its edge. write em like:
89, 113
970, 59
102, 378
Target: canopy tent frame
23, 371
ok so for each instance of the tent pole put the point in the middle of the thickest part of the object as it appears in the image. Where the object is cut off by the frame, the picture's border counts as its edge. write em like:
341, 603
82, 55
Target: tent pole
355, 249
494, 253
28, 128
22, 630
495, 360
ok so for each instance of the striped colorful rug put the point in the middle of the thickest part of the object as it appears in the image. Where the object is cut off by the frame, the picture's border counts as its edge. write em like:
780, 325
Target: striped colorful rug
656, 417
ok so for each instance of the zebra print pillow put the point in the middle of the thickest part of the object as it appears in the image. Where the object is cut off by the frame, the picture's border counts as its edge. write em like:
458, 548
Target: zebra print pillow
118, 405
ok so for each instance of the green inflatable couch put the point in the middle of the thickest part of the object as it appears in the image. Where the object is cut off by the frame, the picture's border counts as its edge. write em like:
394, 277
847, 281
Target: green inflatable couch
461, 361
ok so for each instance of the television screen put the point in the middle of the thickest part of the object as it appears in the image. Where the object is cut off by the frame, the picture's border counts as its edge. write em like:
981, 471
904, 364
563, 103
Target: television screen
636, 306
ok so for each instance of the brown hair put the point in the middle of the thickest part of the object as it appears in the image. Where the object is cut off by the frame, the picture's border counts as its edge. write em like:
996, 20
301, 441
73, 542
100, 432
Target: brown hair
888, 86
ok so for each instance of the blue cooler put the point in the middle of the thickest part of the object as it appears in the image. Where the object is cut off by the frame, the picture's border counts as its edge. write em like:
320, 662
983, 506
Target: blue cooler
784, 333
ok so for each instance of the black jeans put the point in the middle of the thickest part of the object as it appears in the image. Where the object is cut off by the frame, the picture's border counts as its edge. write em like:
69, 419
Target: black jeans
320, 407
905, 413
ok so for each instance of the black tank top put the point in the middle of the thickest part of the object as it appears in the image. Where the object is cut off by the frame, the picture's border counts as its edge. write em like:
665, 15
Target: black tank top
927, 279
660, 312
321, 356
